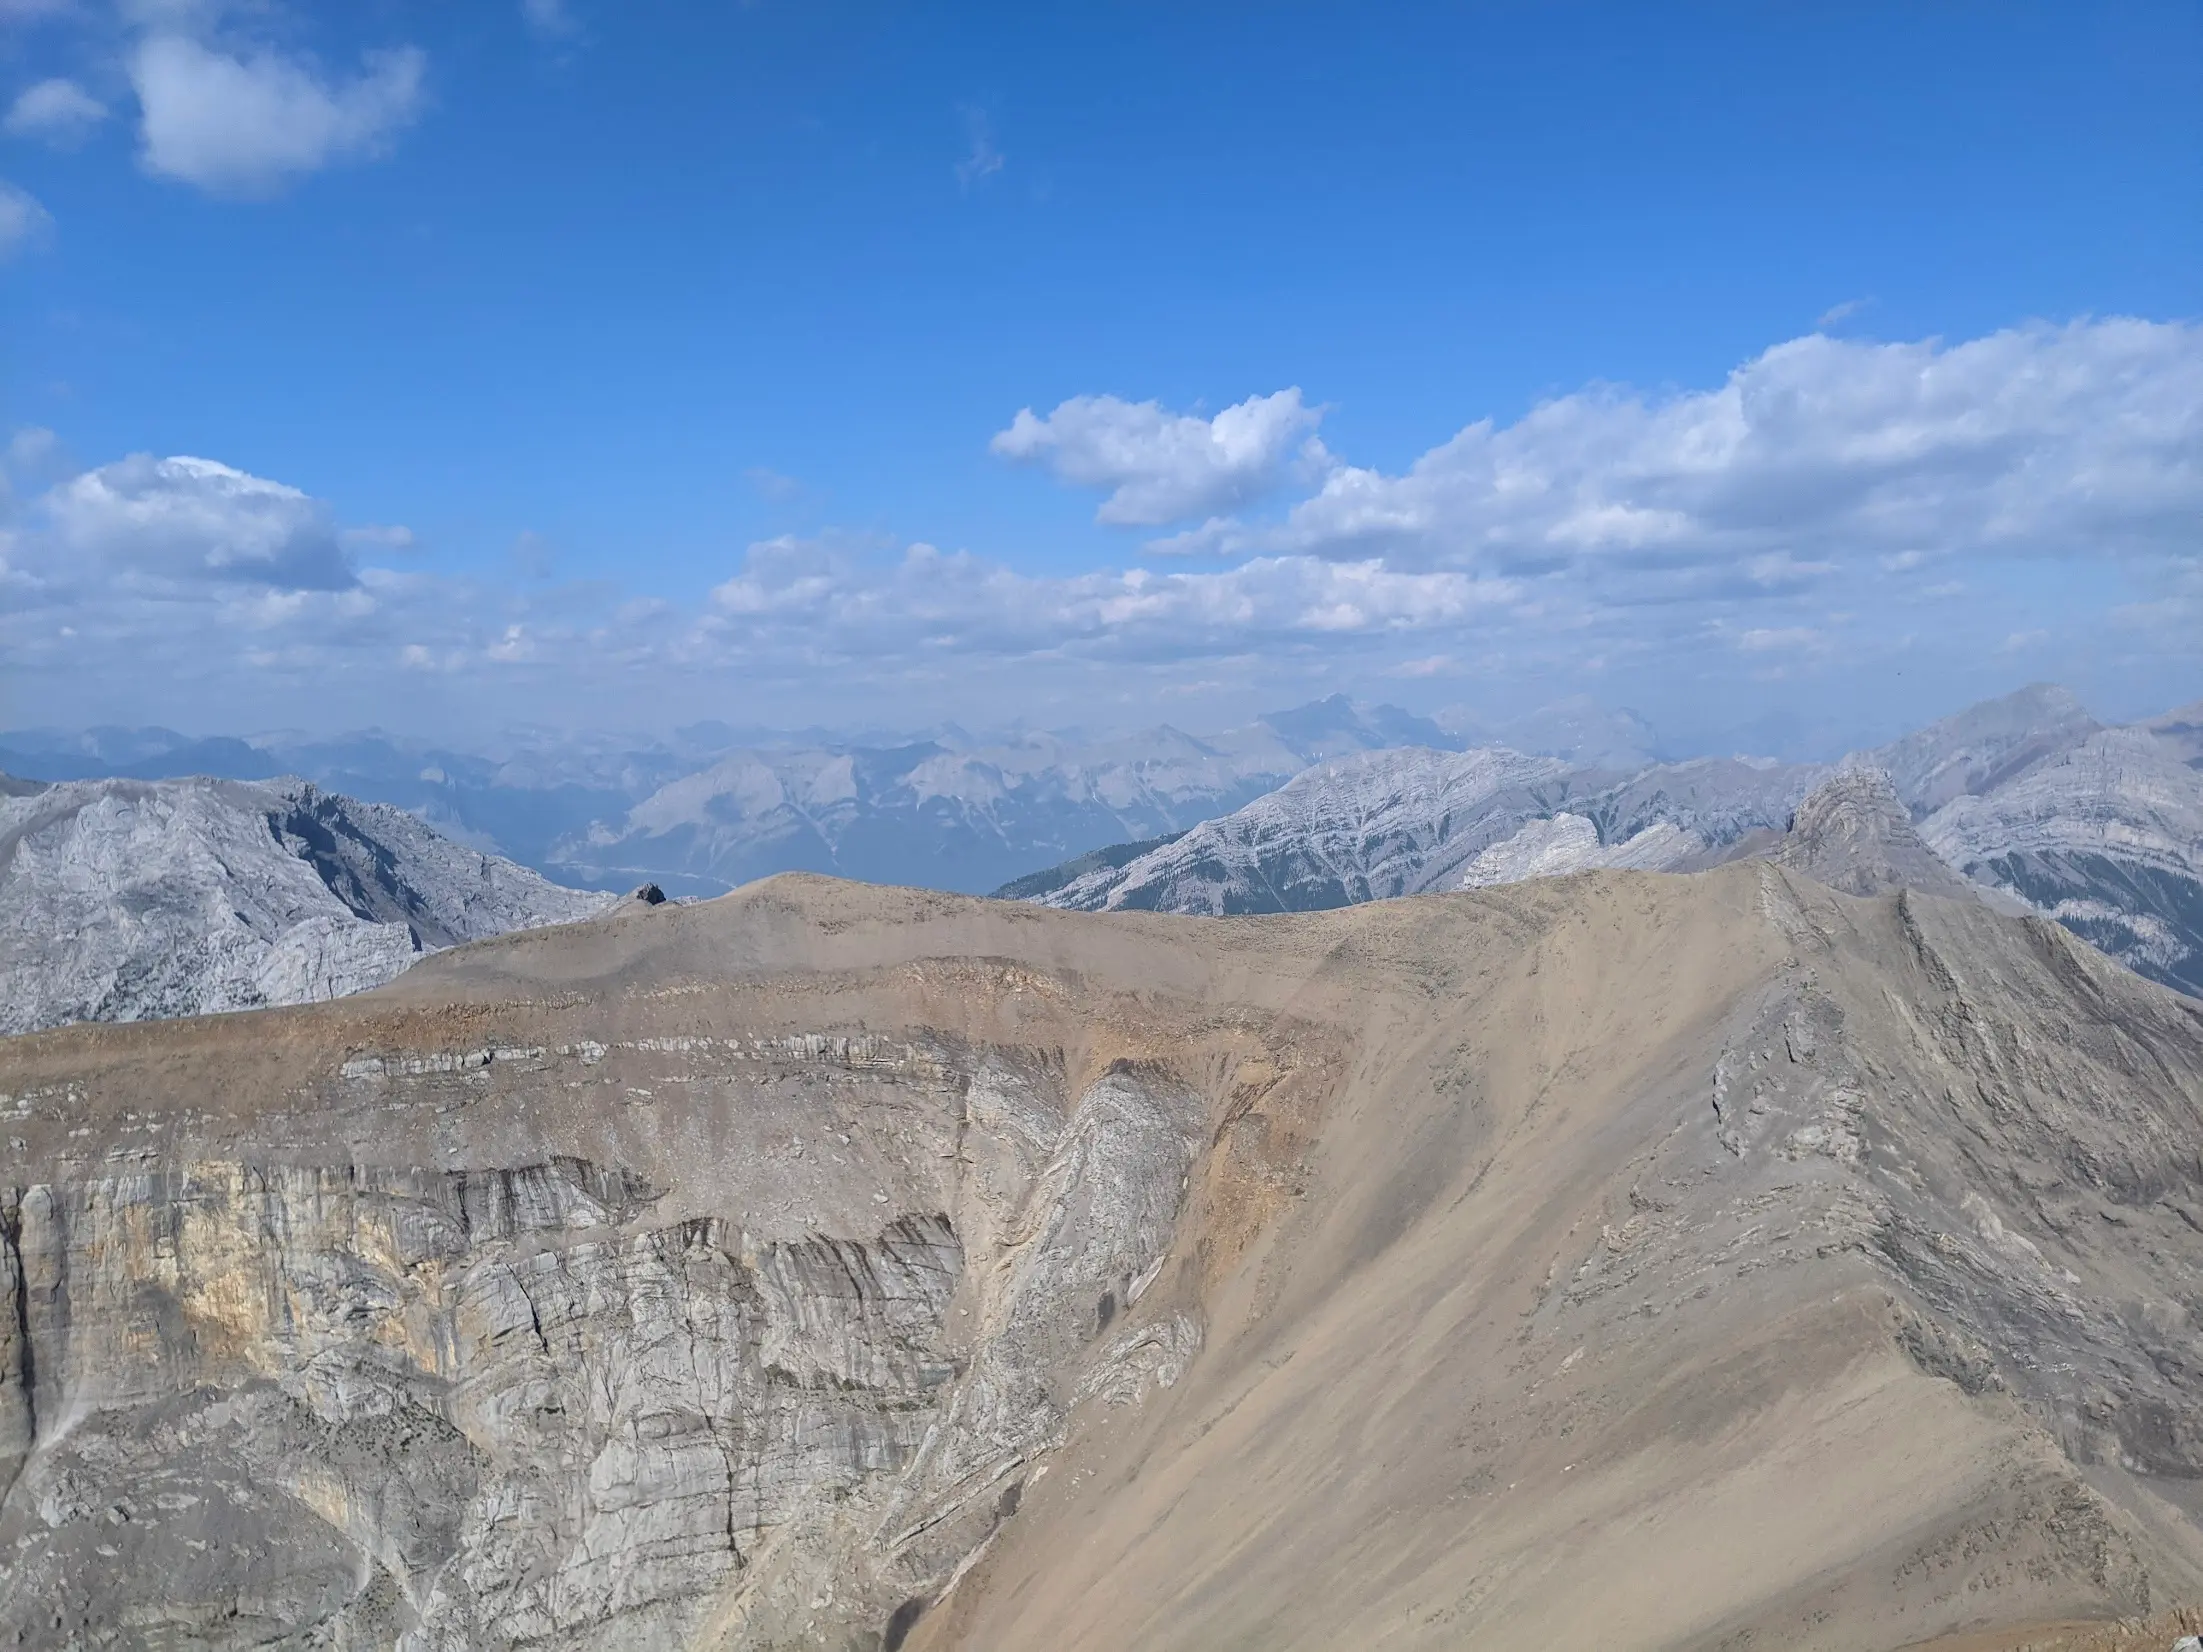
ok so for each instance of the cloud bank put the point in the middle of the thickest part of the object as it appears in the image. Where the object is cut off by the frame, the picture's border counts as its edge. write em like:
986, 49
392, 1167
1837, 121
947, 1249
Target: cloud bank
187, 519
2082, 441
1829, 506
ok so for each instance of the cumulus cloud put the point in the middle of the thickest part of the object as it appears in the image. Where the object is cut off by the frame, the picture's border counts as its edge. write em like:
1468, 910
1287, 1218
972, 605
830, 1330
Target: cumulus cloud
151, 565
1781, 525
23, 222
59, 112
185, 519
818, 594
247, 124
1161, 466
2077, 440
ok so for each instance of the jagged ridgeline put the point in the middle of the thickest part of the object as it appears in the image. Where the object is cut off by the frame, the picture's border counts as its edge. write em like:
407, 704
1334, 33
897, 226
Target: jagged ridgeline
1621, 1261
2026, 801
122, 900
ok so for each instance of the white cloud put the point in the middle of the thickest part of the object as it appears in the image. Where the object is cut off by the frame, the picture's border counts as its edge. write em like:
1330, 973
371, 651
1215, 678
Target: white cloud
1427, 665
1778, 639
982, 160
59, 112
379, 537
818, 598
186, 519
1161, 466
31, 451
246, 125
772, 485
550, 19
1779, 527
1822, 454
23, 222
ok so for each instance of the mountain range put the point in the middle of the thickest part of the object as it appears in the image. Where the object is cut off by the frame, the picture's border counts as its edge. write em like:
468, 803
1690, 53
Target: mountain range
928, 815
715, 806
126, 898
2027, 796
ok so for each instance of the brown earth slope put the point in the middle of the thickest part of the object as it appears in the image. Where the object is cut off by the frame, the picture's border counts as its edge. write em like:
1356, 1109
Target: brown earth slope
1622, 1260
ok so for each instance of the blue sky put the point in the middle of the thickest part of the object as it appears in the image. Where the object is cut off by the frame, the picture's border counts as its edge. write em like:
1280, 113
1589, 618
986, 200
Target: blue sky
605, 364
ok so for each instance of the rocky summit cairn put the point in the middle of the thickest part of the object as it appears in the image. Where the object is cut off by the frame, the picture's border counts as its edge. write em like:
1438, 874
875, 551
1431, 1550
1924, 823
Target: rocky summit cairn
1852, 833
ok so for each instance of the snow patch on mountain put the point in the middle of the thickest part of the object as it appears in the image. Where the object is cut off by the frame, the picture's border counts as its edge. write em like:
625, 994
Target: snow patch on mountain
1570, 843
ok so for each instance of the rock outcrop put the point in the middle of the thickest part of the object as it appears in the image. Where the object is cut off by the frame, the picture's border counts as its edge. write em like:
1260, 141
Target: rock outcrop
1853, 834
122, 900
841, 1267
2106, 836
1565, 843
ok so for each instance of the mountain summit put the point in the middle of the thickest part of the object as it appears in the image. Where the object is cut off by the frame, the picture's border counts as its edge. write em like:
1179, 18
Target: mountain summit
1853, 833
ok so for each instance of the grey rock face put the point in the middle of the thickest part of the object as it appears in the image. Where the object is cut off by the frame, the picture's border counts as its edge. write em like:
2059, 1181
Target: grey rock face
1853, 834
2103, 832
559, 1405
2027, 800
1411, 821
122, 900
1570, 843
1984, 746
1358, 829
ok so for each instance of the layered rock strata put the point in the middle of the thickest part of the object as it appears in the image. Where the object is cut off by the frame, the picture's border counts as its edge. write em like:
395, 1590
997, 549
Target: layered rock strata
123, 900
1624, 1260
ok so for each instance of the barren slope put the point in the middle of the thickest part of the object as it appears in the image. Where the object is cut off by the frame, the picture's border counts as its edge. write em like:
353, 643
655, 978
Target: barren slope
1621, 1260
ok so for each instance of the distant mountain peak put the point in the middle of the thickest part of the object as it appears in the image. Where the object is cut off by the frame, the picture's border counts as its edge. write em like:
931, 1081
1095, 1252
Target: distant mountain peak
1337, 724
1982, 747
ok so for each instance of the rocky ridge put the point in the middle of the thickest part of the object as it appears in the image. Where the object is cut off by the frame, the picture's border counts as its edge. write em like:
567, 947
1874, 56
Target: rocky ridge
122, 900
843, 1267
2026, 799
1412, 821
1853, 833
